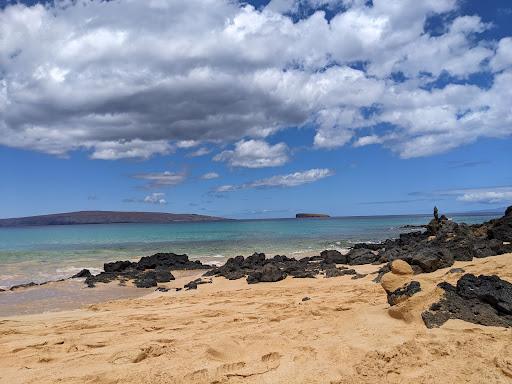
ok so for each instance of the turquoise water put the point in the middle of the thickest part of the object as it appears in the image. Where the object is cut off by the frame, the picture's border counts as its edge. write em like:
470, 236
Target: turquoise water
45, 253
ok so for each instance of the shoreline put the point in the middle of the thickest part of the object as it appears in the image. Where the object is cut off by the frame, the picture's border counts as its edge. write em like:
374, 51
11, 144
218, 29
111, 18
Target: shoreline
72, 294
45, 253
428, 305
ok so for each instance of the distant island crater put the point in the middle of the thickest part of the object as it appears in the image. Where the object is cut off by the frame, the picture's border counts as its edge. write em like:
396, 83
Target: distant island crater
311, 215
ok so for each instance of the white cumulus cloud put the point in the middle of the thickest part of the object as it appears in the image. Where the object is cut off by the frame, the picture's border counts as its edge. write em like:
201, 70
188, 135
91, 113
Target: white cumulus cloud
289, 180
487, 196
155, 198
131, 79
255, 154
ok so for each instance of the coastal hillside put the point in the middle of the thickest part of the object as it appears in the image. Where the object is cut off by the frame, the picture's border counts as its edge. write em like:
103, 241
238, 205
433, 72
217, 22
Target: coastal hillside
105, 217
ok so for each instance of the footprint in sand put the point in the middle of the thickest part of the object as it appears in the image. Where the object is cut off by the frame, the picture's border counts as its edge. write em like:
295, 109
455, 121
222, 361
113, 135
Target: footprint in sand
136, 356
196, 376
230, 367
215, 354
271, 357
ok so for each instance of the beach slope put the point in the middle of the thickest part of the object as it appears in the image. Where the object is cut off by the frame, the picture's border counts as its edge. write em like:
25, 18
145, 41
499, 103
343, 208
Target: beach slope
335, 330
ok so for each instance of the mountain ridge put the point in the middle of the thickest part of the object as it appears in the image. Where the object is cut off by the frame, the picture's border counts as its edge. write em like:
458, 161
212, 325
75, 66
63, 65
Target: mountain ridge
105, 217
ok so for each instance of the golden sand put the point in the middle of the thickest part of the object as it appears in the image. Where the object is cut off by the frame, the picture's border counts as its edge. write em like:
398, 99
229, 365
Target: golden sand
230, 332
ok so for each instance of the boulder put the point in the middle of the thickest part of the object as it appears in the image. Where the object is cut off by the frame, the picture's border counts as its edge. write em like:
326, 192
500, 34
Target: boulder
254, 261
334, 257
117, 266
485, 300
163, 275
430, 259
502, 229
169, 260
269, 273
488, 289
83, 273
391, 282
400, 267
146, 280
361, 256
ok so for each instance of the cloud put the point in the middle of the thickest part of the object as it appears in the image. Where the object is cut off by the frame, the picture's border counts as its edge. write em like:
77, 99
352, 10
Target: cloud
210, 176
187, 144
498, 195
200, 152
125, 149
281, 181
466, 164
132, 79
367, 140
484, 195
162, 179
503, 58
255, 154
155, 198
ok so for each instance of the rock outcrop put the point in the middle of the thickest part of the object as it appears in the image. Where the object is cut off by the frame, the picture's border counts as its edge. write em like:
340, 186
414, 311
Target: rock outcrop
442, 243
146, 273
485, 300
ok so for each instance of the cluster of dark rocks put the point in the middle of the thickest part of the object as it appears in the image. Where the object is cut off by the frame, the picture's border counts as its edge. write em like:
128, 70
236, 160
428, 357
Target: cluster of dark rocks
257, 268
485, 300
146, 273
443, 242
437, 246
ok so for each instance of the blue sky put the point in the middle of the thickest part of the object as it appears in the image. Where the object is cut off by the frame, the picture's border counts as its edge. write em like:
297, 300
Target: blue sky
339, 107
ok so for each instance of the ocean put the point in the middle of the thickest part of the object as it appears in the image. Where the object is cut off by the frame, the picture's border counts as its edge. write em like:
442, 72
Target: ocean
52, 252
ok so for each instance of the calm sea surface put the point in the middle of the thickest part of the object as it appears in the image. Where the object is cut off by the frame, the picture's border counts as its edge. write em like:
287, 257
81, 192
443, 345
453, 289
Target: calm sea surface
51, 252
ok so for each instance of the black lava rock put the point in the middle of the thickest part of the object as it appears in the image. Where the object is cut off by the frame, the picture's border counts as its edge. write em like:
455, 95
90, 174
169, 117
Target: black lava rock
407, 291
83, 273
269, 273
334, 257
485, 300
146, 280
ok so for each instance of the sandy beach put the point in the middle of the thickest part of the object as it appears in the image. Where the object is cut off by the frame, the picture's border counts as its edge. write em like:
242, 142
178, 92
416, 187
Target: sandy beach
232, 332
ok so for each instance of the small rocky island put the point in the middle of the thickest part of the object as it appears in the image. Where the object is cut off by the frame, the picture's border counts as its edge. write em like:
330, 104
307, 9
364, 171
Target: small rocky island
310, 215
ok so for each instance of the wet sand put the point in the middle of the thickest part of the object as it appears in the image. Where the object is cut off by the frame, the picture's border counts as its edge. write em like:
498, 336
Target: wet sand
74, 294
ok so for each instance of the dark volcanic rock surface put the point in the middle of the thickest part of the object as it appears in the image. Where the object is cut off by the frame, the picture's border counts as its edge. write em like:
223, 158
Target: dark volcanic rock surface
269, 273
258, 268
485, 300
82, 273
402, 293
443, 242
147, 272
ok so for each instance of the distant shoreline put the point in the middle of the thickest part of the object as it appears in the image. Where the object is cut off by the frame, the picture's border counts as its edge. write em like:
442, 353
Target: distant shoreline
195, 218
106, 217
